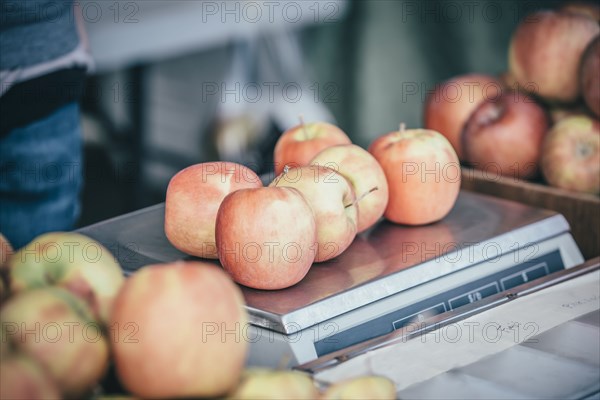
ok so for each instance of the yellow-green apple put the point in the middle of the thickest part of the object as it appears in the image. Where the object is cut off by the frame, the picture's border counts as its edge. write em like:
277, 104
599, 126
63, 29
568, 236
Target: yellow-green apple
299, 144
266, 237
505, 136
364, 387
590, 76
193, 198
72, 261
262, 383
423, 175
179, 331
58, 330
363, 171
333, 202
571, 155
449, 106
587, 8
21, 378
545, 52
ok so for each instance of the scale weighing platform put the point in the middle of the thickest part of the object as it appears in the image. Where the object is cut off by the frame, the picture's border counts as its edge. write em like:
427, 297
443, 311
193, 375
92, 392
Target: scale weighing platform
390, 277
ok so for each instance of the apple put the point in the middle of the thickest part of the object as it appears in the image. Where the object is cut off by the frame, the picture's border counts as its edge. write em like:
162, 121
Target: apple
58, 330
180, 330
72, 261
263, 383
571, 155
22, 378
505, 136
448, 107
266, 237
363, 171
299, 144
423, 174
589, 9
545, 51
590, 77
333, 202
193, 198
364, 387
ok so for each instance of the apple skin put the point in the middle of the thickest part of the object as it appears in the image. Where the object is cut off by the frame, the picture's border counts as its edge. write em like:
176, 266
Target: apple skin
505, 136
449, 106
175, 315
193, 198
571, 155
363, 171
590, 77
22, 378
423, 174
545, 52
364, 387
299, 144
333, 202
266, 384
72, 261
266, 237
58, 330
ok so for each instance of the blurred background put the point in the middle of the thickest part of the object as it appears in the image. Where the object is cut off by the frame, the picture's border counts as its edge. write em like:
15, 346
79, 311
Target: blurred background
181, 82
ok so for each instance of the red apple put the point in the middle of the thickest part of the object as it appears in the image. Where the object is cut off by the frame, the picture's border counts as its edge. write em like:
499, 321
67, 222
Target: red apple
423, 174
505, 136
363, 171
21, 378
299, 144
179, 331
571, 155
266, 237
193, 198
333, 202
545, 52
590, 76
72, 261
449, 106
57, 330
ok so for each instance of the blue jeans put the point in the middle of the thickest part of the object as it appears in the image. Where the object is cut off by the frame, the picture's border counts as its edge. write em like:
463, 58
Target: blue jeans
41, 176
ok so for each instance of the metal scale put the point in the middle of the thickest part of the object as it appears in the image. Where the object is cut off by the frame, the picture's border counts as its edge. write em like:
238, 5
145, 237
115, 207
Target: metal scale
390, 277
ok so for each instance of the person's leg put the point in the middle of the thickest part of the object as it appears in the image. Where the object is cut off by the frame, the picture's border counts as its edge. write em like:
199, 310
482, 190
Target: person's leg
41, 176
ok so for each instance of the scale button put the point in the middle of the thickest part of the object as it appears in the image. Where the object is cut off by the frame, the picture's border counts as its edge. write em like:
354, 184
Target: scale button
474, 295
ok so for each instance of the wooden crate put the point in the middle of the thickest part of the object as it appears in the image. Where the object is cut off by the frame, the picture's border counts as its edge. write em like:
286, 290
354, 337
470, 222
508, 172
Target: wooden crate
581, 210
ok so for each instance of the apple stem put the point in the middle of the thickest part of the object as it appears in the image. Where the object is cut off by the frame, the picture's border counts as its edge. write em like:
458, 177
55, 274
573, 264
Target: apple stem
402, 127
301, 118
286, 168
362, 196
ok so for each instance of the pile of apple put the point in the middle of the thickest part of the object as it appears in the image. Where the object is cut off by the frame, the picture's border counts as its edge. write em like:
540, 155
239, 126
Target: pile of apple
56, 297
172, 330
540, 119
326, 191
